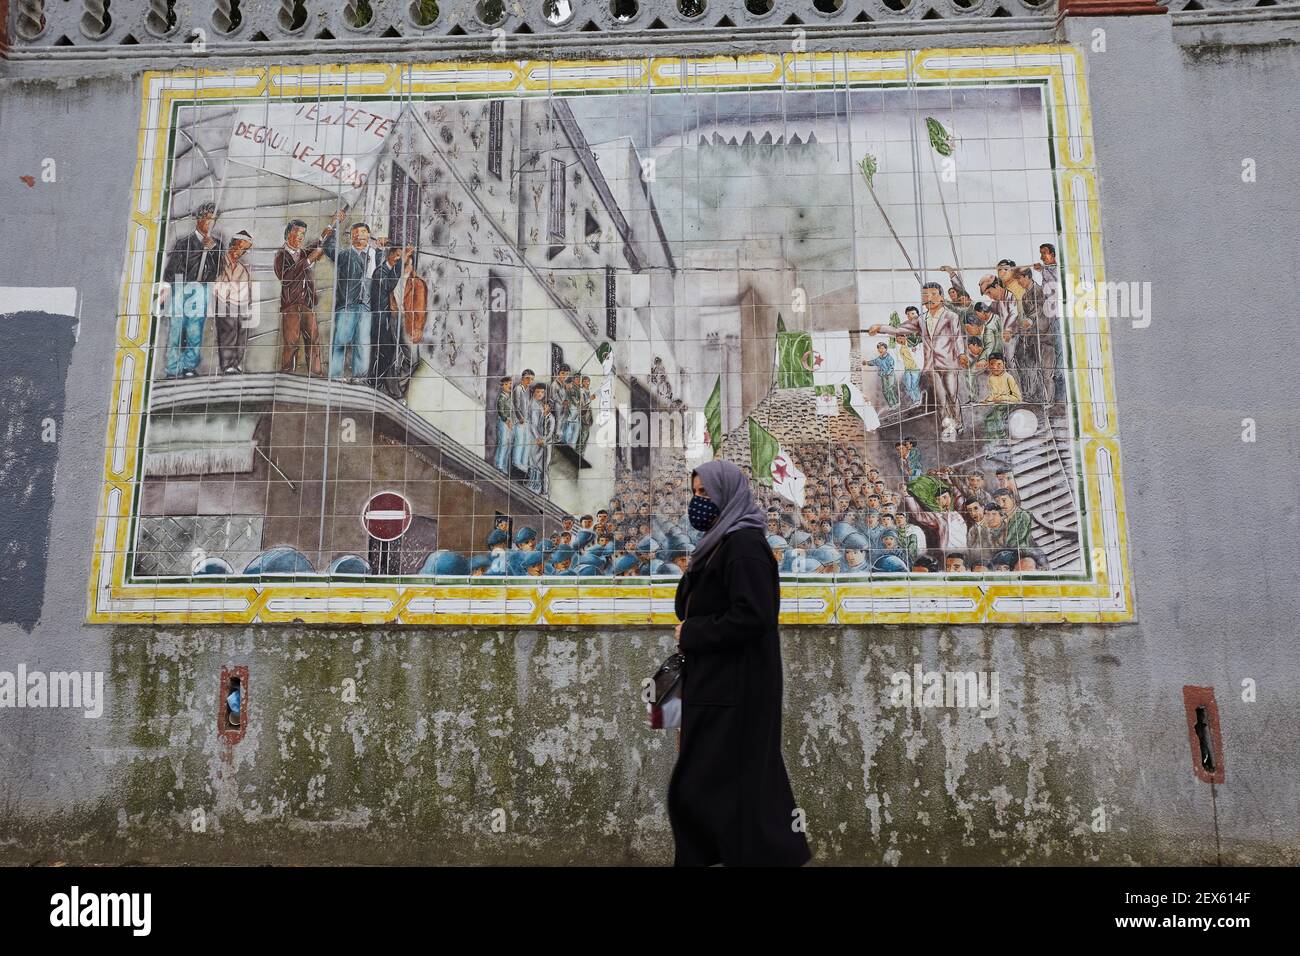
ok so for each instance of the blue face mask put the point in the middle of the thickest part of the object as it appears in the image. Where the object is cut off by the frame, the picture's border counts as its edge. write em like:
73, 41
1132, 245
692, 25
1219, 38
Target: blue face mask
702, 513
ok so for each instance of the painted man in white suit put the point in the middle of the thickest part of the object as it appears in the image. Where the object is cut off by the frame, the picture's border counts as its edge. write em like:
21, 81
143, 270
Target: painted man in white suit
941, 338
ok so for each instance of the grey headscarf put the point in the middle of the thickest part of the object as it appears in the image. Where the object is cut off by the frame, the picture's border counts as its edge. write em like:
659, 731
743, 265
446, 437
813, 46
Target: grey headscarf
728, 488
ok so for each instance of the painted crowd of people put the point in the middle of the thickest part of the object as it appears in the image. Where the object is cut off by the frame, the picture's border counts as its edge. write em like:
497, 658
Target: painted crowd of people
856, 519
992, 354
532, 417
379, 303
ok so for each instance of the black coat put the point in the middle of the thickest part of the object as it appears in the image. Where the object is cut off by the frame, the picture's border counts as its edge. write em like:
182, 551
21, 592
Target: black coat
729, 799
186, 259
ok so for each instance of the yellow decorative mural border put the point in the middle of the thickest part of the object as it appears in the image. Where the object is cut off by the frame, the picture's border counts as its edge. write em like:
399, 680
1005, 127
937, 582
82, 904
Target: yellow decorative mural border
1106, 597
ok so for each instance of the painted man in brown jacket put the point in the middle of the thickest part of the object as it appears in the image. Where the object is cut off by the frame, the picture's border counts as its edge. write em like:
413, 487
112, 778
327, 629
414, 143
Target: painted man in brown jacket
293, 267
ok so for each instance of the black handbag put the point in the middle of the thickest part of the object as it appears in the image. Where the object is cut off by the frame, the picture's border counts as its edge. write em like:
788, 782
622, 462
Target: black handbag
666, 708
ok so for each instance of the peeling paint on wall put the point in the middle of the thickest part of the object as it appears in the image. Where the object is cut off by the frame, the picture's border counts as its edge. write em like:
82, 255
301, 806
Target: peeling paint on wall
33, 371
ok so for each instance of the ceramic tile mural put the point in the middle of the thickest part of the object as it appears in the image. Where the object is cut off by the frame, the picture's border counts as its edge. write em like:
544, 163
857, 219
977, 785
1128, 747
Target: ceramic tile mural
441, 343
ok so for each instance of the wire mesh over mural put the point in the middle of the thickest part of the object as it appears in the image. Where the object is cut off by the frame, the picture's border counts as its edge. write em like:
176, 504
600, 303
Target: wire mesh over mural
441, 343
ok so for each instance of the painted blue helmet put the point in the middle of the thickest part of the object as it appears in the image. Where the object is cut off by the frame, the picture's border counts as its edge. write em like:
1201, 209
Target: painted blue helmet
445, 562
826, 555
213, 565
856, 541
349, 564
280, 561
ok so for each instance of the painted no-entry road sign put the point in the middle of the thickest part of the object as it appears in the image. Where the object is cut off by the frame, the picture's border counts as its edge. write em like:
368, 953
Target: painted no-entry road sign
386, 516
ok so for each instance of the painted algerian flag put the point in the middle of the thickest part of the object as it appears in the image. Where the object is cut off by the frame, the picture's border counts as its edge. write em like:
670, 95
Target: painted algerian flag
828, 400
713, 417
857, 403
830, 359
772, 466
793, 360
805, 359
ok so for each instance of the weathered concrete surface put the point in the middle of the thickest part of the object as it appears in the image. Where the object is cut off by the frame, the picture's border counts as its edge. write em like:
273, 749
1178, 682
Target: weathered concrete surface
494, 746
449, 726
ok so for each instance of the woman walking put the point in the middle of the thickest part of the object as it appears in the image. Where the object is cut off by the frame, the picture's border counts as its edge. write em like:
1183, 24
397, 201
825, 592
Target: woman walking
729, 799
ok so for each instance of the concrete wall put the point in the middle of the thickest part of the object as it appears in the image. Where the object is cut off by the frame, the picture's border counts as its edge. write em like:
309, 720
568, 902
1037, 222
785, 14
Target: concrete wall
547, 726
